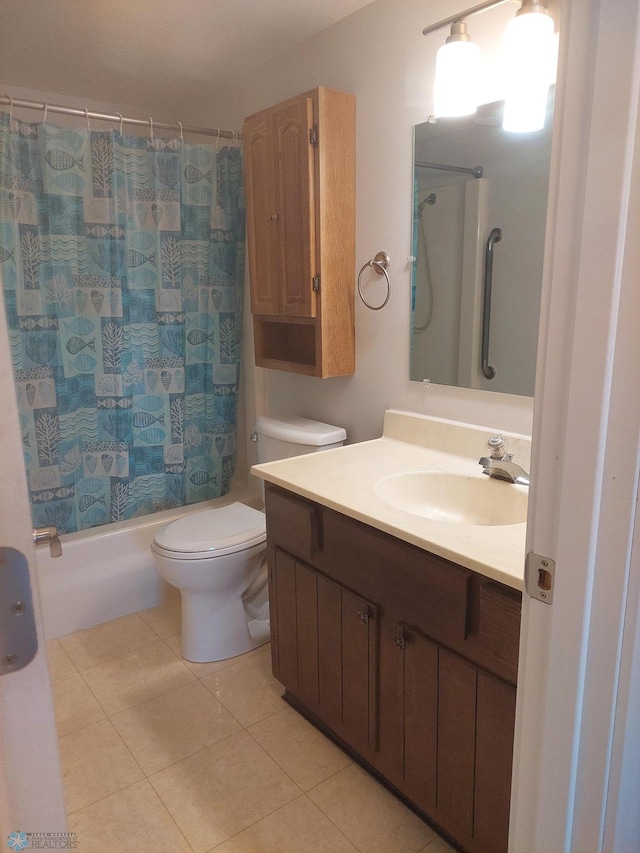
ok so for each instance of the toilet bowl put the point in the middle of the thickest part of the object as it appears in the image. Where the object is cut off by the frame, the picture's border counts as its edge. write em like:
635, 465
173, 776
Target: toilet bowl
214, 557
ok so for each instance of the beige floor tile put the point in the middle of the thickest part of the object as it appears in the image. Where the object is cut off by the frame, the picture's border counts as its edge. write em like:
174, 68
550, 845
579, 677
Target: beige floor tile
132, 820
299, 748
60, 664
201, 670
163, 619
372, 818
173, 726
248, 689
135, 678
95, 763
109, 640
222, 790
75, 705
298, 827
438, 845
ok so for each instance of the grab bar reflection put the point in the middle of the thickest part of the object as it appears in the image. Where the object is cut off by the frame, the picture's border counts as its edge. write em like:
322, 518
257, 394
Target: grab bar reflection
494, 237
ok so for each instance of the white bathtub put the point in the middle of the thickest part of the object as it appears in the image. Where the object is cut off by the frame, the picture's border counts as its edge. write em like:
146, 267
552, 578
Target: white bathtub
108, 571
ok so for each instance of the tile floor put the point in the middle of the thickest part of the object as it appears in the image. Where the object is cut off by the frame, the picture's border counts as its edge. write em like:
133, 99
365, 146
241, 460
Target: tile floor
160, 754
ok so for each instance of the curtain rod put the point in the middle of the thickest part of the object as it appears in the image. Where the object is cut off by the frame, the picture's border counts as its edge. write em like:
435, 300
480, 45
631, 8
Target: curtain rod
8, 101
466, 13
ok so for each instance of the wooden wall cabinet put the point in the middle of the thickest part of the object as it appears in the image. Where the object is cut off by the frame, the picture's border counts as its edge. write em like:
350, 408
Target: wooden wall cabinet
407, 660
300, 193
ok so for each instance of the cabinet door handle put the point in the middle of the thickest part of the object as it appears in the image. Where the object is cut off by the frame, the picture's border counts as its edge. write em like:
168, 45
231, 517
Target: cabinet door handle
399, 639
363, 616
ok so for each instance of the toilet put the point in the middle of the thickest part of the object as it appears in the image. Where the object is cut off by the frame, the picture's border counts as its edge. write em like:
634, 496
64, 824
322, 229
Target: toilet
217, 557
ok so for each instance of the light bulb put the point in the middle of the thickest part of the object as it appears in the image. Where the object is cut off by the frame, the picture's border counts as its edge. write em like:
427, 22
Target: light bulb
527, 51
456, 74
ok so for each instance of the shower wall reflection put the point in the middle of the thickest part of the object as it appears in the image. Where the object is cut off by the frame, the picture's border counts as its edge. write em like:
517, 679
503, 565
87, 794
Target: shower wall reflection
496, 179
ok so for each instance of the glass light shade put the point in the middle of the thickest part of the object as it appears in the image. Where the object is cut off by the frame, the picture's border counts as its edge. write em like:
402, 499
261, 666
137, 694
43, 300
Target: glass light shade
527, 50
457, 65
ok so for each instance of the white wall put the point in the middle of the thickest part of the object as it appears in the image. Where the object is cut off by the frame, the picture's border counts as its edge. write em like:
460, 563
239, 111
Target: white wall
380, 55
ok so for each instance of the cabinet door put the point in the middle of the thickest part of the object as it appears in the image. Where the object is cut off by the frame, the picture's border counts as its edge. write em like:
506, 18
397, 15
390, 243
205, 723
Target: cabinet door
262, 215
296, 207
456, 743
496, 711
359, 670
326, 648
420, 663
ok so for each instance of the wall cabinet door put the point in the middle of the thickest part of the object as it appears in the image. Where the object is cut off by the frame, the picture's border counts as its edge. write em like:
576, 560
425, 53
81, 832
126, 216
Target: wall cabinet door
262, 222
325, 649
281, 209
295, 207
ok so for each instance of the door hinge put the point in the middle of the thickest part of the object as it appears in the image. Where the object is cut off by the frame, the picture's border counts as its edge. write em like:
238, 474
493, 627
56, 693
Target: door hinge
539, 577
316, 283
313, 136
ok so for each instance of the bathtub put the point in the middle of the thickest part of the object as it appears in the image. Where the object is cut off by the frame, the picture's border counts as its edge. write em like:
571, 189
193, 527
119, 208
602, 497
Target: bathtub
108, 571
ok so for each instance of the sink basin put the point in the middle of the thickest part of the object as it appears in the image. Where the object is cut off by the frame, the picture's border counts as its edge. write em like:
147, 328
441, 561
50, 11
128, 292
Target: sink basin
455, 498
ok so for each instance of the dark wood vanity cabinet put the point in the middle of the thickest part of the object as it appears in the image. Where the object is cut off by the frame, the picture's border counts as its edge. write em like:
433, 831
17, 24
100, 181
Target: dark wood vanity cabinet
324, 648
405, 658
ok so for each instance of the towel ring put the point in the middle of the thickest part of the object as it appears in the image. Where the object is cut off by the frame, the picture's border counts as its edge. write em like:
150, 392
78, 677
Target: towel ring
380, 264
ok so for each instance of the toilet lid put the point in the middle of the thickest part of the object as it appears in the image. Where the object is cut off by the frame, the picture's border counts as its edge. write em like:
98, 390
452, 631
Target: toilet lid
213, 530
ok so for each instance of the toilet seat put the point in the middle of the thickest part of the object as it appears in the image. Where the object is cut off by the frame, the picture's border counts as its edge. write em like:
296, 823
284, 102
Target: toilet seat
212, 533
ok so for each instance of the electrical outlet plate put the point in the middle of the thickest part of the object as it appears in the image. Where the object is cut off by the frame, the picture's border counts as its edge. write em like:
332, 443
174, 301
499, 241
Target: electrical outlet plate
539, 577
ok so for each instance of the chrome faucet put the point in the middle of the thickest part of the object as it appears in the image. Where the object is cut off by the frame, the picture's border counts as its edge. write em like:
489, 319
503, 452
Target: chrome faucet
499, 464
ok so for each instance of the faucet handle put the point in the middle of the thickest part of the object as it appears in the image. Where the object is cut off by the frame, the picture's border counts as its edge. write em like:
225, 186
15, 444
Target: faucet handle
497, 444
48, 535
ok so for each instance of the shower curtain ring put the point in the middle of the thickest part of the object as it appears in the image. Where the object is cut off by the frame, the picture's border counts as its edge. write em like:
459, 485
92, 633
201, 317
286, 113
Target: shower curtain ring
121, 120
86, 115
181, 133
45, 107
10, 99
217, 139
151, 128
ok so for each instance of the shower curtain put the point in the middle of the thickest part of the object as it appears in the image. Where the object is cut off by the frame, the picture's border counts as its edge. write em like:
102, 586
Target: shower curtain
122, 266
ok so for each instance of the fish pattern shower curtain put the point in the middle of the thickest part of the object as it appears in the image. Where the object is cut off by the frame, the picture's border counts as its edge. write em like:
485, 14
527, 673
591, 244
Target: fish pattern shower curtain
122, 266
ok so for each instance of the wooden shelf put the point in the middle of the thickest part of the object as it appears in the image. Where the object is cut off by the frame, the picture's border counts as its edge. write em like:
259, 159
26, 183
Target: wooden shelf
283, 344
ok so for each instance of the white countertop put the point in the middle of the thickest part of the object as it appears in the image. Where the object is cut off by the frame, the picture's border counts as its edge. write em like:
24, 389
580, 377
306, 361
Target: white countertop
344, 479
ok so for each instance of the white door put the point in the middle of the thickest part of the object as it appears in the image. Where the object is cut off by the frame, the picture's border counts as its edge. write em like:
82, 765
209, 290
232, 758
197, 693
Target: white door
578, 691
30, 781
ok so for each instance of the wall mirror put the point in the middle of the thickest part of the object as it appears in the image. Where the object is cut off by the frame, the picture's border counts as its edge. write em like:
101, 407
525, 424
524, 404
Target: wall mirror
479, 215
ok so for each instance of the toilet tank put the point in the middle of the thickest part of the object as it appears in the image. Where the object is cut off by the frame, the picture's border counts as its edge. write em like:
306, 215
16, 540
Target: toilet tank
282, 438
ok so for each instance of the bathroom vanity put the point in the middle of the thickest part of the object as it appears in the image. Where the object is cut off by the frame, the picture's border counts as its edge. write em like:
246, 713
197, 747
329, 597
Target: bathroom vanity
403, 654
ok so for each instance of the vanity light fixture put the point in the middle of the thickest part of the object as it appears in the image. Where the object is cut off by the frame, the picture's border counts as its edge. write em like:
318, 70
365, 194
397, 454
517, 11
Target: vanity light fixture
457, 65
528, 53
527, 50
